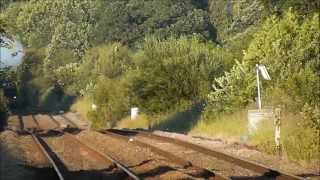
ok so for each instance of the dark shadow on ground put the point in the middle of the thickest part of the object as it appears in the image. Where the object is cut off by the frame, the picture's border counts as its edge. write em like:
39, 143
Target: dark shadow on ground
181, 122
3, 121
156, 171
12, 168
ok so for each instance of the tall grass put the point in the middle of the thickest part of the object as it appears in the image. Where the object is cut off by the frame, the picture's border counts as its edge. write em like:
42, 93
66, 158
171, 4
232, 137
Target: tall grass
232, 125
298, 142
142, 121
83, 106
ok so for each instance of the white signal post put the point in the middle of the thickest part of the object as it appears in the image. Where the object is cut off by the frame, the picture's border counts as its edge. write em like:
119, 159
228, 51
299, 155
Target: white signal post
277, 119
258, 87
265, 75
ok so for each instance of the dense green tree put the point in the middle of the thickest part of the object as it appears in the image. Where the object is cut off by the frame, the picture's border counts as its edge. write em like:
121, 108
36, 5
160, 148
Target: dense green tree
304, 7
57, 24
129, 21
290, 50
233, 17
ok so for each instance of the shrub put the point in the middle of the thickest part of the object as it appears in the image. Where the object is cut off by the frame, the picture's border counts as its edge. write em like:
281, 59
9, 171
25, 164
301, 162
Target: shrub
234, 90
111, 99
172, 72
290, 51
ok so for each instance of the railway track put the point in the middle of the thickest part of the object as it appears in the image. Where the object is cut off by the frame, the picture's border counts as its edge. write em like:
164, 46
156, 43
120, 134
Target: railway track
109, 167
184, 166
71, 159
49, 136
148, 139
50, 132
44, 123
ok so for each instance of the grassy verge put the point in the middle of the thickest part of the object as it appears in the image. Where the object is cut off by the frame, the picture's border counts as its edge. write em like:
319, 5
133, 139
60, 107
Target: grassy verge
83, 106
298, 142
142, 121
224, 125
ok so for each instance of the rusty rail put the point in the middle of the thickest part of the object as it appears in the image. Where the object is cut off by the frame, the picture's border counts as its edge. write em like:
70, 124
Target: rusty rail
205, 173
265, 171
105, 156
58, 166
70, 121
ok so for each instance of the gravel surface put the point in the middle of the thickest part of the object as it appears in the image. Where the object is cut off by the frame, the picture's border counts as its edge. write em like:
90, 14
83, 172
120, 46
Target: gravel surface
246, 152
205, 161
74, 156
25, 149
62, 122
140, 160
18, 161
19, 152
45, 122
29, 123
33, 155
78, 120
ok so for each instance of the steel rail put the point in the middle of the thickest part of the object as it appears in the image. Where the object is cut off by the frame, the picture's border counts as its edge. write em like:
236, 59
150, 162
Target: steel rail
70, 121
62, 171
58, 125
105, 156
21, 123
171, 157
59, 171
265, 171
36, 122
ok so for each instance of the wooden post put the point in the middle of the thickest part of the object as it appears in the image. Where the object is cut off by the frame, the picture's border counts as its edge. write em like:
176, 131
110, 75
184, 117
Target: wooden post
277, 124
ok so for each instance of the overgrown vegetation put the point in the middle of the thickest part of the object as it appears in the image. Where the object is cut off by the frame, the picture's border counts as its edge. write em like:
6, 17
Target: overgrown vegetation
165, 56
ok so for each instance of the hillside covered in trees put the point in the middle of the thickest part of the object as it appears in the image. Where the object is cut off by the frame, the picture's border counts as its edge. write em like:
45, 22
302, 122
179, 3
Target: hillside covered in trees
164, 56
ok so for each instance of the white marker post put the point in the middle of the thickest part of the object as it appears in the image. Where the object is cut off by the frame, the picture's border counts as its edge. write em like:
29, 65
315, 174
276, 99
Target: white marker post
134, 113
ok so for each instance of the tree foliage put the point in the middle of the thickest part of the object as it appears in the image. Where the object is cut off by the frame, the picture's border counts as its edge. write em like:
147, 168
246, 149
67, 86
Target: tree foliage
290, 50
157, 54
129, 21
233, 17
173, 71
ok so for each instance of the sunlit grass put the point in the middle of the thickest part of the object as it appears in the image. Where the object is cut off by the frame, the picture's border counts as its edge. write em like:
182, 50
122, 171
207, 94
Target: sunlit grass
142, 121
297, 141
82, 106
226, 125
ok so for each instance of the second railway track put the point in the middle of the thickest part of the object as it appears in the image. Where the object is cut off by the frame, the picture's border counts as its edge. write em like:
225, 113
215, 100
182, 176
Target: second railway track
225, 164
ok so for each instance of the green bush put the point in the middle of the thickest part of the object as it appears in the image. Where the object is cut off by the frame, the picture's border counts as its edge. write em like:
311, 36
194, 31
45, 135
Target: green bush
234, 90
290, 50
172, 72
112, 101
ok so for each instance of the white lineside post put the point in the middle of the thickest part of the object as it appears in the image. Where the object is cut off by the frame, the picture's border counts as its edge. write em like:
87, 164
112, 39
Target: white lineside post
134, 113
277, 124
258, 87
